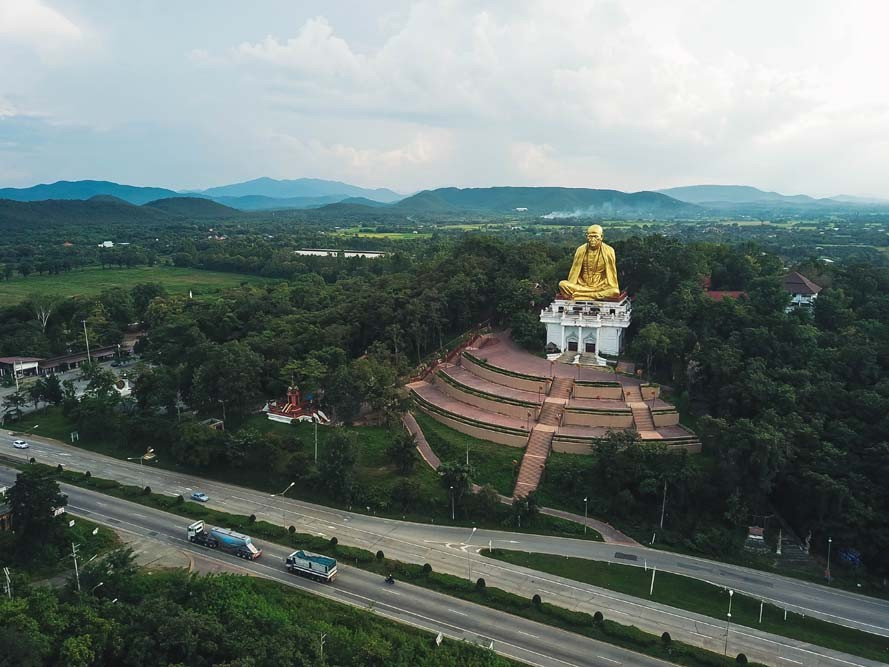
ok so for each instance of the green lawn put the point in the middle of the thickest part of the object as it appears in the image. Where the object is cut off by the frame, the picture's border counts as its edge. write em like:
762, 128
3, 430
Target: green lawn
492, 464
702, 598
92, 280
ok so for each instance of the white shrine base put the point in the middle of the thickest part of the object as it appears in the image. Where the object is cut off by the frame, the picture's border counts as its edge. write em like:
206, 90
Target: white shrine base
587, 326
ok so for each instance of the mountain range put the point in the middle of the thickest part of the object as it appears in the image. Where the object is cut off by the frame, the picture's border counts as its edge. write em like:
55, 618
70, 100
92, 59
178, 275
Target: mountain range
332, 197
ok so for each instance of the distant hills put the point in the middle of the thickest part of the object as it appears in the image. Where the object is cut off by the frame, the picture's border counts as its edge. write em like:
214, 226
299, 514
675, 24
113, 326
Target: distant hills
745, 197
107, 209
255, 195
300, 187
551, 202
84, 190
335, 197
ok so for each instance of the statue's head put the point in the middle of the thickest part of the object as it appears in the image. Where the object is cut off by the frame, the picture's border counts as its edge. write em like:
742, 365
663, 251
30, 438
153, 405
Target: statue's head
594, 236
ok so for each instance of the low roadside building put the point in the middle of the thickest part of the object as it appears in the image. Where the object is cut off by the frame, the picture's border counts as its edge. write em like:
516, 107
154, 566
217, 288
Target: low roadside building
803, 291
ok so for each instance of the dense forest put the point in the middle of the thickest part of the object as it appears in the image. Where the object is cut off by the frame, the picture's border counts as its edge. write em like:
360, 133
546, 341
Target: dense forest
791, 405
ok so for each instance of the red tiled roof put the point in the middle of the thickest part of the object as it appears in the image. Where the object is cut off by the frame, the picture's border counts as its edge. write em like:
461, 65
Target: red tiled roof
719, 295
19, 360
797, 283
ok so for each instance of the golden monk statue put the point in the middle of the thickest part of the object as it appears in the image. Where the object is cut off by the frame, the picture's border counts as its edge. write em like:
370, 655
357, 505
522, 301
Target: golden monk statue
593, 273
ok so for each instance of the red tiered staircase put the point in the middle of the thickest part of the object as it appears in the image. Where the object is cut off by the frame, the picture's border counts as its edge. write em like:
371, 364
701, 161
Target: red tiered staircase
539, 444
641, 412
534, 460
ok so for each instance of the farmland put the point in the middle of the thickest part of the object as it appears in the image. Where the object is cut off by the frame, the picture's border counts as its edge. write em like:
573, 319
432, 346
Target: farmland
92, 280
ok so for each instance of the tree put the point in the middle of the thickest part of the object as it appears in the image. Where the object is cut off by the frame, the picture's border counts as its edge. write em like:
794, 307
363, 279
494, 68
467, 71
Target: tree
14, 403
52, 389
337, 464
229, 376
651, 342
403, 451
43, 305
456, 478
33, 500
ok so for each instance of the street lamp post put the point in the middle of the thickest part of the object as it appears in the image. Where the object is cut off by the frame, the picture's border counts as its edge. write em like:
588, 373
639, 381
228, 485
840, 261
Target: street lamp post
468, 559
452, 503
315, 421
728, 622
147, 456
283, 511
585, 503
829, 542
101, 583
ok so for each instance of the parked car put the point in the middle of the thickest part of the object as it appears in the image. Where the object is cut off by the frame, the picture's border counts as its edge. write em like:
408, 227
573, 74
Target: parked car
200, 496
20, 444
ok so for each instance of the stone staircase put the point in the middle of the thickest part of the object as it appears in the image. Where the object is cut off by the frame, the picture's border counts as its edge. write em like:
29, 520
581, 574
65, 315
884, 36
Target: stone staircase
534, 460
642, 417
562, 388
540, 441
641, 413
551, 414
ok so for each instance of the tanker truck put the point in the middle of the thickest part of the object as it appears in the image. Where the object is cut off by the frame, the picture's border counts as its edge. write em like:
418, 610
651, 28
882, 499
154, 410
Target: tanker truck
223, 539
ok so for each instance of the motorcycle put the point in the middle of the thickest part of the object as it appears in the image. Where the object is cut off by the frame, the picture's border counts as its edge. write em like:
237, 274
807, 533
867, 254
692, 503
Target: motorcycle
390, 579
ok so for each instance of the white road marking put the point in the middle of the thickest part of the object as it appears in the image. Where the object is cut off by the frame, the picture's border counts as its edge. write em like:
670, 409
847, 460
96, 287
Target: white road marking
602, 657
527, 634
781, 657
454, 611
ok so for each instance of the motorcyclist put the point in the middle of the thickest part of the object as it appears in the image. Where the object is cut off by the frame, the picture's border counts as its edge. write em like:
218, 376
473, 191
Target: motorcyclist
390, 579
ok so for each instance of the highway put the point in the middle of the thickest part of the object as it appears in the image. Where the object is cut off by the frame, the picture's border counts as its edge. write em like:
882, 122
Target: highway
512, 636
446, 549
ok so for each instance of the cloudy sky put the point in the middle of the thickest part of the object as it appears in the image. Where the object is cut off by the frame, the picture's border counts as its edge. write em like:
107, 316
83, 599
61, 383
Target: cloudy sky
637, 94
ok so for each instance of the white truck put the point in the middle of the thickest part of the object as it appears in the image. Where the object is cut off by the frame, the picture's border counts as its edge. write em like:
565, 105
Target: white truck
313, 566
223, 539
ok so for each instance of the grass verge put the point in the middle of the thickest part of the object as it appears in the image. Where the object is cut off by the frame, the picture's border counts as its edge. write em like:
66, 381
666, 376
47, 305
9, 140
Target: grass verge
625, 636
703, 598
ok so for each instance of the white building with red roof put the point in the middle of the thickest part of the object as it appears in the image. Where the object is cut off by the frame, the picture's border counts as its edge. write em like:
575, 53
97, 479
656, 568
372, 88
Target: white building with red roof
803, 291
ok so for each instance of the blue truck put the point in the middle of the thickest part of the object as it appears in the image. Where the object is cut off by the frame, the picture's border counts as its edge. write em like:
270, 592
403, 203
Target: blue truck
223, 539
313, 566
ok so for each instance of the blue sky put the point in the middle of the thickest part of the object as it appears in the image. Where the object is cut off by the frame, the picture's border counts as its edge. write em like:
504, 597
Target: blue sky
791, 96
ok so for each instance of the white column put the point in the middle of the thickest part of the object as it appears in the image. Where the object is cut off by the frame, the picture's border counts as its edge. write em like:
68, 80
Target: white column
562, 326
598, 331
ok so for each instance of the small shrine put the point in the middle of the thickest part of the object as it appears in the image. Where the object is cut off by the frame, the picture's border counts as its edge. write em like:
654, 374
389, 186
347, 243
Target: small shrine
294, 409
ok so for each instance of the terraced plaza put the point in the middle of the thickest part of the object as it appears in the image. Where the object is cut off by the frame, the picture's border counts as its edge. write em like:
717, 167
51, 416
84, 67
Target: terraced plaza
497, 392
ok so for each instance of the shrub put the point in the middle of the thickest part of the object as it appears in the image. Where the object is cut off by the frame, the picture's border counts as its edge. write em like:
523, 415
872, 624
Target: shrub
87, 474
252, 518
146, 491
598, 618
741, 659
666, 639
32, 460
480, 585
59, 468
536, 601
427, 569
380, 555
334, 541
180, 499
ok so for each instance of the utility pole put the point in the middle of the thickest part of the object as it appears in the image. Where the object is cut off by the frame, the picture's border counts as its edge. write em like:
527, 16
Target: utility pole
452, 503
468, 561
585, 502
76, 571
323, 635
315, 420
87, 338
15, 374
664, 504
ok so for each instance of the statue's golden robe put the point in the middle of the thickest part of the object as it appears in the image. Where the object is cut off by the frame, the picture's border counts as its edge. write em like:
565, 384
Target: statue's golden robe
593, 274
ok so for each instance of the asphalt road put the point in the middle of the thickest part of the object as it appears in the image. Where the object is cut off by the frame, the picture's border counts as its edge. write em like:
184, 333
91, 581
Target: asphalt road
453, 550
512, 636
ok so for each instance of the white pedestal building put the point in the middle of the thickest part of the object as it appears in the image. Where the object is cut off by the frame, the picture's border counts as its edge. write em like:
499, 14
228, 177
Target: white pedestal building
591, 327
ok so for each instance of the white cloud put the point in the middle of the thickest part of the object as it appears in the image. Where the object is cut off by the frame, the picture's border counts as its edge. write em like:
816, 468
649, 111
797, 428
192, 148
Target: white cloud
34, 23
